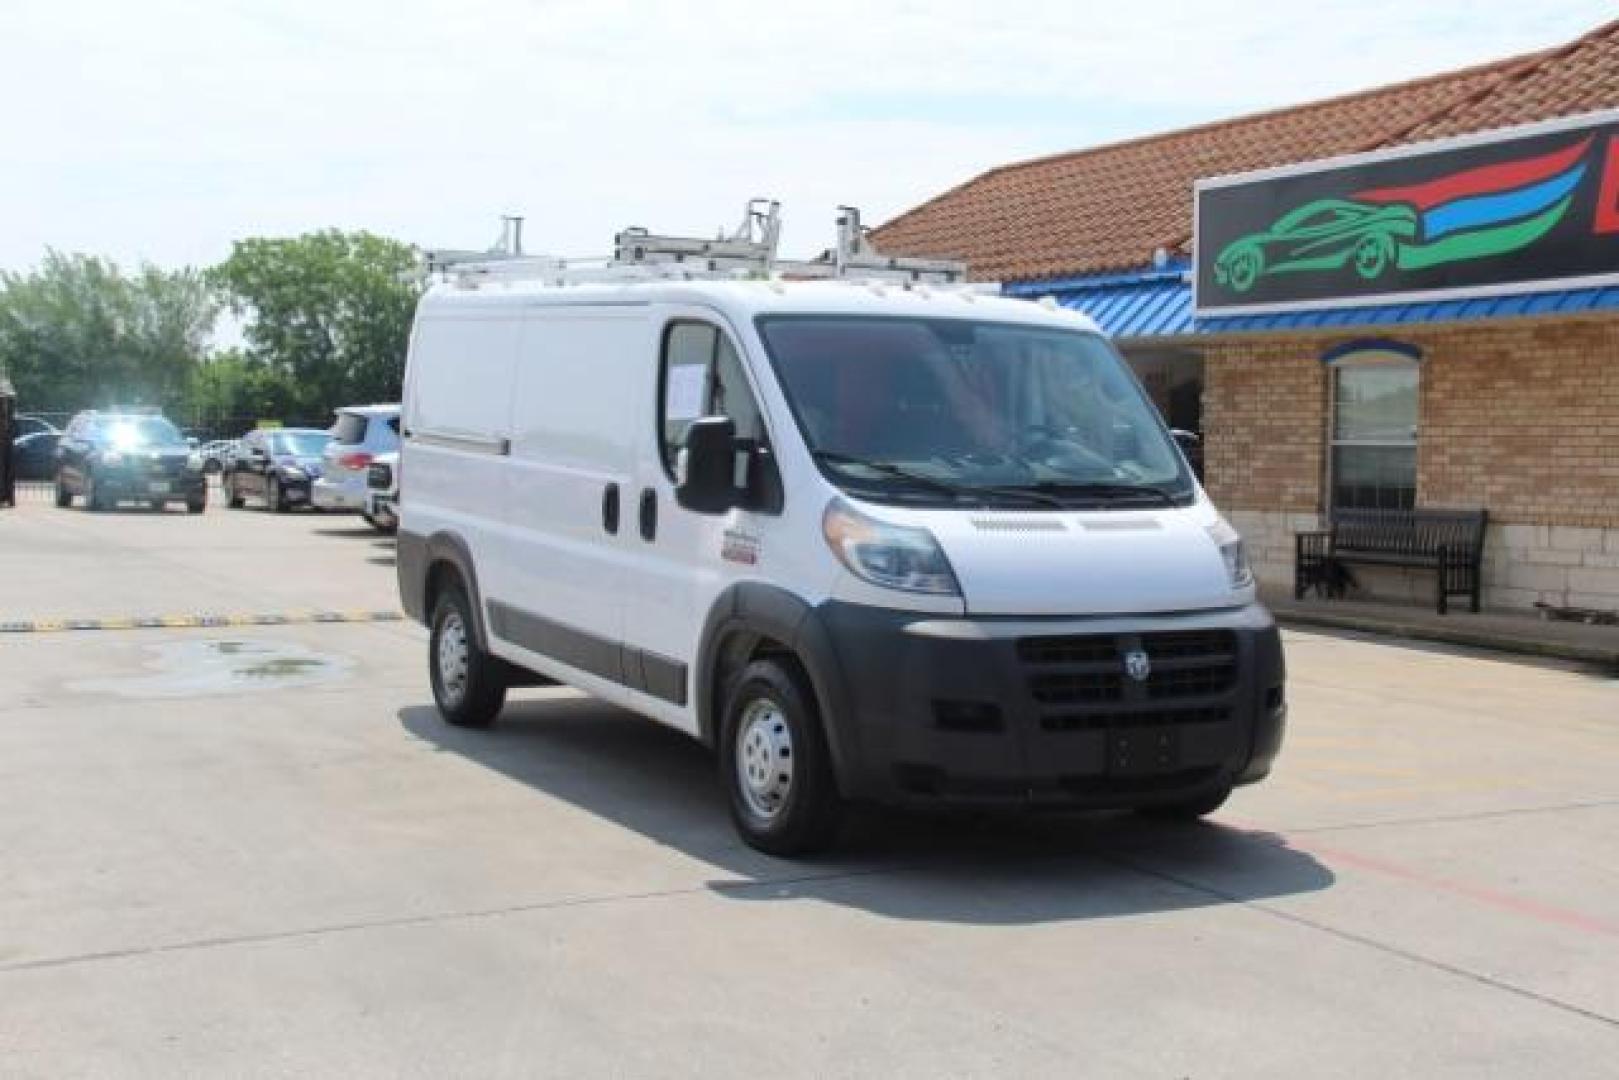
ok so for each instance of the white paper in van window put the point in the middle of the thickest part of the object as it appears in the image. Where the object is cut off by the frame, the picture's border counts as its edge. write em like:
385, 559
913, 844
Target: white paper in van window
686, 392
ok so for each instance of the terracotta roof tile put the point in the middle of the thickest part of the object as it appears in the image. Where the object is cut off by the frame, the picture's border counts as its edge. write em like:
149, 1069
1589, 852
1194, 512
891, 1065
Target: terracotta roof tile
1110, 207
1581, 77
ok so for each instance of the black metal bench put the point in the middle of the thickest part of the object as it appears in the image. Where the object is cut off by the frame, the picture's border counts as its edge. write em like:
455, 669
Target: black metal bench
1449, 542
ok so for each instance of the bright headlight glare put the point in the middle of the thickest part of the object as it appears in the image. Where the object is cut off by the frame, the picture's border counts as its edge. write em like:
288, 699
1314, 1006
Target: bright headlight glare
194, 462
891, 556
1234, 553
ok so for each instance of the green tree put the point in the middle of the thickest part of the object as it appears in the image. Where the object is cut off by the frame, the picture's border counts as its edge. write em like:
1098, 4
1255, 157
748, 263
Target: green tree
328, 313
232, 388
78, 332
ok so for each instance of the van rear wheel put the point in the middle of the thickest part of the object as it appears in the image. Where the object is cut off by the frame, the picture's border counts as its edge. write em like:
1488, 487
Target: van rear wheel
775, 765
469, 685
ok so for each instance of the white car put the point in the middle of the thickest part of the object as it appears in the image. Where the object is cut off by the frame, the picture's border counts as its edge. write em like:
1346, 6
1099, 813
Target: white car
382, 493
870, 543
217, 454
359, 434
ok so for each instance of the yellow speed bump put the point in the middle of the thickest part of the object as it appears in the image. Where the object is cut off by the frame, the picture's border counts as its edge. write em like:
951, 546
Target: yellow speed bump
194, 621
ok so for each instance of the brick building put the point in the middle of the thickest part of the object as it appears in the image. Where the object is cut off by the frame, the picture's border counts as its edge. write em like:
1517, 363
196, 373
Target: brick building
1488, 377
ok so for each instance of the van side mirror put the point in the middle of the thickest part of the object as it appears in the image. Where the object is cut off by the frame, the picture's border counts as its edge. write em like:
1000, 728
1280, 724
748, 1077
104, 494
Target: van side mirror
707, 480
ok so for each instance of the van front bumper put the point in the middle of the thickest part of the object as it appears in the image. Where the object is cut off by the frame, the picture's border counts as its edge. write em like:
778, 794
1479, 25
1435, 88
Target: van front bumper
1070, 712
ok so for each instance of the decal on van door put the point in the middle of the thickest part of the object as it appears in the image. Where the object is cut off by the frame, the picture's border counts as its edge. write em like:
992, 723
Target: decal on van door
740, 547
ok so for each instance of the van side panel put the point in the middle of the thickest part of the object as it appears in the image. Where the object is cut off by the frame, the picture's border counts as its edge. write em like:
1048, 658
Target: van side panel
572, 439
464, 372
457, 412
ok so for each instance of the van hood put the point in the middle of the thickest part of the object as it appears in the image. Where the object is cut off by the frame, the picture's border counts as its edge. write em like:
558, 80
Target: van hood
1105, 562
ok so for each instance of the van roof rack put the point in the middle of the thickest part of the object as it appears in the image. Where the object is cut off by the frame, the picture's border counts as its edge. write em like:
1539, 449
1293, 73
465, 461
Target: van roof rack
747, 252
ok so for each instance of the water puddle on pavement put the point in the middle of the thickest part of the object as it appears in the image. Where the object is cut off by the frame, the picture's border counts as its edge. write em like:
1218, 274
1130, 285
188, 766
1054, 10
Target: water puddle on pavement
192, 668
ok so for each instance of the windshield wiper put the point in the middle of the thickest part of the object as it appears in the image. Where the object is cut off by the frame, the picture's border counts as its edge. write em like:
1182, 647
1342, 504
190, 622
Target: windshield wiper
1061, 489
944, 487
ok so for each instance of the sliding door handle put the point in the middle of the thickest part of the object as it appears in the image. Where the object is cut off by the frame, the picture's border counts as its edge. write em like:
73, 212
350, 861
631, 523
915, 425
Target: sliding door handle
649, 514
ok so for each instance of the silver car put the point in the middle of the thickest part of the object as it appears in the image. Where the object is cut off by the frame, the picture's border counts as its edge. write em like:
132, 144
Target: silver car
359, 434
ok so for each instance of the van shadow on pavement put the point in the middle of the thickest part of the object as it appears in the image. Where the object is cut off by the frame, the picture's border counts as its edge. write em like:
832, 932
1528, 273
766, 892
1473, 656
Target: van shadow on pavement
950, 868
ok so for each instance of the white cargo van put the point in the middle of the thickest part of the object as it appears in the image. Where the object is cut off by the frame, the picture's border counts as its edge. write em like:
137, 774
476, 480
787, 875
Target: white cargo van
868, 542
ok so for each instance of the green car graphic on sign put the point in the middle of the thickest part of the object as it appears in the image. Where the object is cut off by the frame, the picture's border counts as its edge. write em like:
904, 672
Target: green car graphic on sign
1321, 235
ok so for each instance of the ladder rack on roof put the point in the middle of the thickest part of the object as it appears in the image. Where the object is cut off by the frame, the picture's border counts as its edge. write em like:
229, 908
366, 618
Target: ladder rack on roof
747, 253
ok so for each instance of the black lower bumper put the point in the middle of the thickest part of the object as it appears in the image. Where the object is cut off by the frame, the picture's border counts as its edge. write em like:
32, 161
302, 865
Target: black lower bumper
296, 491
1088, 712
142, 487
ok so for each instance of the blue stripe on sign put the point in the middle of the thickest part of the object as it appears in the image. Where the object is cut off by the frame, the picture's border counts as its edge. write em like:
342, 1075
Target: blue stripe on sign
1492, 209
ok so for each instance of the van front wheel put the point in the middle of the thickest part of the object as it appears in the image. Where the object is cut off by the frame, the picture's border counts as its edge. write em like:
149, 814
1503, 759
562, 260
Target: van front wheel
775, 765
469, 685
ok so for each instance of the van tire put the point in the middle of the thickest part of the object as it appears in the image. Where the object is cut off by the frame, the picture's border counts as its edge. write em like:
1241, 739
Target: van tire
469, 685
771, 716
1188, 809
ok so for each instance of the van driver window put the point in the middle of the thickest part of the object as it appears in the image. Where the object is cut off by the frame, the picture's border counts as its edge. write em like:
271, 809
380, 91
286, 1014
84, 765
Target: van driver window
731, 396
703, 376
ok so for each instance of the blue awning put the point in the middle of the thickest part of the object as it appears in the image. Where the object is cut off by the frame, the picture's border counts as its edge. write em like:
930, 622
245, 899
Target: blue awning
1158, 304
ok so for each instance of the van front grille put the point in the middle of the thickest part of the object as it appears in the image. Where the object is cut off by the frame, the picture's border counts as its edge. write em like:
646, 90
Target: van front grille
1119, 721
1096, 669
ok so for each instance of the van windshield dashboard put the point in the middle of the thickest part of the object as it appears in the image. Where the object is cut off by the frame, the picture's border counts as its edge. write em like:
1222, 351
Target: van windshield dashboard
959, 411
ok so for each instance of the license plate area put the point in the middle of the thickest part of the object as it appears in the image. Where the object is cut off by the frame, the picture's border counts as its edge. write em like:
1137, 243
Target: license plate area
1144, 751
158, 487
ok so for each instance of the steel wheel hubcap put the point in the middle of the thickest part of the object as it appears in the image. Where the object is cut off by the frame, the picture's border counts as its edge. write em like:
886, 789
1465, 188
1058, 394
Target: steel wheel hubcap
764, 757
452, 657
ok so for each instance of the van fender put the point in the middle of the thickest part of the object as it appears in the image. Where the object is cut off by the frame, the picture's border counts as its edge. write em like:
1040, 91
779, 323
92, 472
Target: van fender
752, 609
416, 558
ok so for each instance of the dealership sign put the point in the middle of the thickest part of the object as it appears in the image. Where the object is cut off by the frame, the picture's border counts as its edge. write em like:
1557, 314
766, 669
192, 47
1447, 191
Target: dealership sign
1505, 211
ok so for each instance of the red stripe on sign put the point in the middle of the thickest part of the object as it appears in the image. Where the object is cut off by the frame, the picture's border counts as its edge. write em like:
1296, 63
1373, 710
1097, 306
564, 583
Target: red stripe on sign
1607, 219
1484, 180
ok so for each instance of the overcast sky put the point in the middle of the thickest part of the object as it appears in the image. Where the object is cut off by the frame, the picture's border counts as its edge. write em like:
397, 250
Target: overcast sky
164, 129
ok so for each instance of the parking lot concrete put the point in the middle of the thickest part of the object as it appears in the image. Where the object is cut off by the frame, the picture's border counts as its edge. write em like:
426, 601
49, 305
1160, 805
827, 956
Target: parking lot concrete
72, 563
256, 851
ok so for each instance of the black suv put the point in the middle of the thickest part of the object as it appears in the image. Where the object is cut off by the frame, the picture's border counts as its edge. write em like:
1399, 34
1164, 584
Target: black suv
112, 457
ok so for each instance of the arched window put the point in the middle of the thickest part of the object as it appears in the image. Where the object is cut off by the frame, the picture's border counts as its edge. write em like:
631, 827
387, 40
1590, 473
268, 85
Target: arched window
1375, 396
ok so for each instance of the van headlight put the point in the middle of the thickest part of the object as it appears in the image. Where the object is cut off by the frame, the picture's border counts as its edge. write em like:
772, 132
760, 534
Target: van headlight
892, 556
1234, 553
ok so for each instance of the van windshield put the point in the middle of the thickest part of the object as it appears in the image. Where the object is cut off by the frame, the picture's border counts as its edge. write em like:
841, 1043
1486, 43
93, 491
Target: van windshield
956, 410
